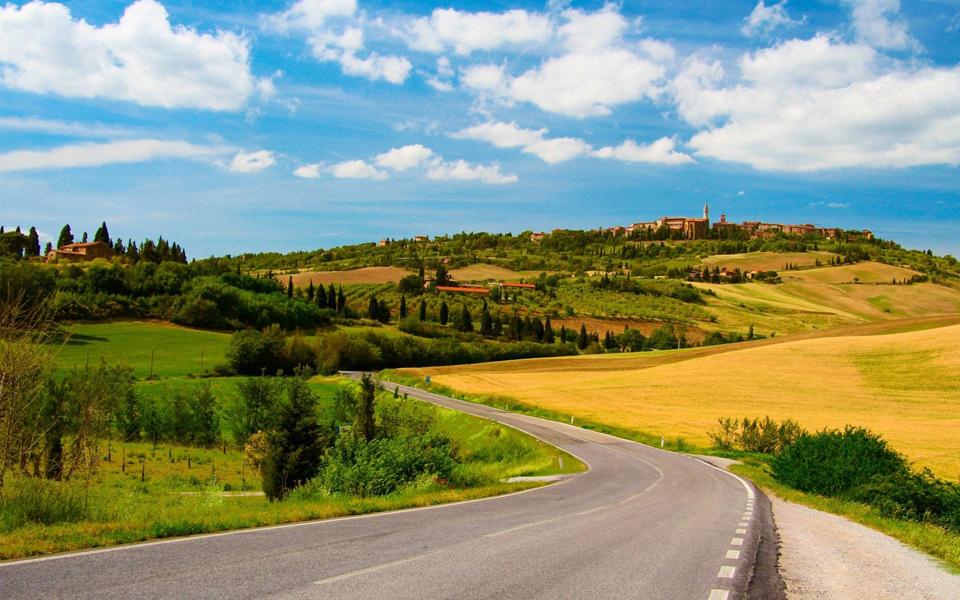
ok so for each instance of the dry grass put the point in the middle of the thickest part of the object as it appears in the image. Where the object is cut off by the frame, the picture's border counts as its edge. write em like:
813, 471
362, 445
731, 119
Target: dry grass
864, 272
767, 261
601, 325
481, 272
902, 385
364, 275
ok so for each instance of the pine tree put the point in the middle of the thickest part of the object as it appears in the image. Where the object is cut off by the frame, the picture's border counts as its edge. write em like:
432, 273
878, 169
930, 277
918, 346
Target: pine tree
403, 306
33, 243
66, 237
444, 312
423, 310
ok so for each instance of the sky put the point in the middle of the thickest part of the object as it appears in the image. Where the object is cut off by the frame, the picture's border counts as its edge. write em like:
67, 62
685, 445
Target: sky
234, 126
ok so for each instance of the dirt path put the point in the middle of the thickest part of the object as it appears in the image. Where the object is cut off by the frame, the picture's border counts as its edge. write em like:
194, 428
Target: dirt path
826, 557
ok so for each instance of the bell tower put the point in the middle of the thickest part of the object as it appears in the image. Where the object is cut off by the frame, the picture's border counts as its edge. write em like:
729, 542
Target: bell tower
706, 211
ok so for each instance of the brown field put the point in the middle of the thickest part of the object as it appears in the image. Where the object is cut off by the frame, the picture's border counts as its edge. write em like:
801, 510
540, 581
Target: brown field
601, 326
903, 385
364, 275
481, 272
767, 261
865, 272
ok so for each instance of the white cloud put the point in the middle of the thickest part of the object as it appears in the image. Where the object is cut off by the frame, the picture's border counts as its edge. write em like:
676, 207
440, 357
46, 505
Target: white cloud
312, 14
532, 141
355, 169
466, 32
876, 23
405, 157
441, 81
393, 69
251, 162
64, 128
597, 71
461, 170
116, 152
764, 19
660, 152
140, 59
312, 171
816, 104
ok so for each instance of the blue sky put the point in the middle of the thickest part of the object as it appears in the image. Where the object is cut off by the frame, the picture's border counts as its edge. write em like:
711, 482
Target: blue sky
238, 126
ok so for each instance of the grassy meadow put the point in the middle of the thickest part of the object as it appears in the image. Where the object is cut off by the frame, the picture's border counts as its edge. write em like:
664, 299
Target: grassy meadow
767, 261
901, 385
174, 351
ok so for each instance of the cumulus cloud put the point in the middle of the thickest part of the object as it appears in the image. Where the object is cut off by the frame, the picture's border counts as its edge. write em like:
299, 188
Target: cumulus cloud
660, 152
312, 14
764, 19
355, 169
251, 162
808, 105
532, 141
465, 32
140, 58
876, 23
597, 71
461, 170
312, 171
100, 154
403, 158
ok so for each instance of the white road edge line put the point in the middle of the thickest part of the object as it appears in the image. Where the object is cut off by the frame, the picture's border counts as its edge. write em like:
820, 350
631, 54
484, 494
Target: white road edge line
520, 527
374, 568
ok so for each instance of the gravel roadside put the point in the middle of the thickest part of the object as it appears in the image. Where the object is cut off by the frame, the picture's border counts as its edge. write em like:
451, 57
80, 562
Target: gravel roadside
826, 557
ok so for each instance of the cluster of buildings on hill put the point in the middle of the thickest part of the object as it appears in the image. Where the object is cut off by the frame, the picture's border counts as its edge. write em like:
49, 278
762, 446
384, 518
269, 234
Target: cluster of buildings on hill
698, 228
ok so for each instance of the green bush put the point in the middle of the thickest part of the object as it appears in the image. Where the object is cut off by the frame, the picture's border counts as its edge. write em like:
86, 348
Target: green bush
832, 462
913, 496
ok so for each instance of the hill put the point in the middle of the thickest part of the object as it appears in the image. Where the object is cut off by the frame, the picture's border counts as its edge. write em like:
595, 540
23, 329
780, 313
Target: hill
768, 261
902, 385
350, 276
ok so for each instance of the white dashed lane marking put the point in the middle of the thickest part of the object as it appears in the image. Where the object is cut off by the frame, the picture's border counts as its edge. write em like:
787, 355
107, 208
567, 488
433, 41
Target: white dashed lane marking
727, 572
736, 542
734, 554
718, 595
741, 531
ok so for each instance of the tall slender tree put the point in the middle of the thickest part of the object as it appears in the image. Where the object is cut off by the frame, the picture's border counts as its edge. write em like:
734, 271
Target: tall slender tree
444, 312
548, 332
33, 242
423, 309
290, 287
66, 236
103, 234
403, 306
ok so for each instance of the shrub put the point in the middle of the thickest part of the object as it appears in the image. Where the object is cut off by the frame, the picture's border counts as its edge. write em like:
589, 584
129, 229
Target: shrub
765, 436
252, 352
36, 501
832, 462
913, 496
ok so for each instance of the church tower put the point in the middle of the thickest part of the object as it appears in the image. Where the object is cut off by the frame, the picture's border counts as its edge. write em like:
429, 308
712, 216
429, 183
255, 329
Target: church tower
706, 212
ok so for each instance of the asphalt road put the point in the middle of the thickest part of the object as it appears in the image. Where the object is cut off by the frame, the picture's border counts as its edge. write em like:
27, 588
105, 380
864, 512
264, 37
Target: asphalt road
641, 523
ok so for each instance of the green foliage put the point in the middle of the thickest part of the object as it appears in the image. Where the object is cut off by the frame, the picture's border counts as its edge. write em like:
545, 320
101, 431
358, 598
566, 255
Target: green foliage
253, 409
40, 502
832, 462
254, 352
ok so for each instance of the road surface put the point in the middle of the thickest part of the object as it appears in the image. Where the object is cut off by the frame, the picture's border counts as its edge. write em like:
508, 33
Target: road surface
641, 523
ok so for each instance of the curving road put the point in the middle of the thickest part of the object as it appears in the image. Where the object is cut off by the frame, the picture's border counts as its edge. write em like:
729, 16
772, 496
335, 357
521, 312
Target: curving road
641, 523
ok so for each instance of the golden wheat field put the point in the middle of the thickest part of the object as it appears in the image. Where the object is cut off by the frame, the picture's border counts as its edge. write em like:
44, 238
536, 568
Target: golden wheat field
863, 272
482, 271
364, 275
767, 261
905, 386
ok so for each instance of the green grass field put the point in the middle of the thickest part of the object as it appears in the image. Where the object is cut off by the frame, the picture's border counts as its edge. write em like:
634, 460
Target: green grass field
172, 351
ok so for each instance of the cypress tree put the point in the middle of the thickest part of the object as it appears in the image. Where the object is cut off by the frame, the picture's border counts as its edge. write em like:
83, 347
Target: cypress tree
444, 312
563, 334
33, 243
466, 321
103, 235
321, 297
66, 237
373, 309
403, 306
332, 297
486, 323
84, 239
311, 291
383, 312
538, 330
423, 310
47, 249
341, 301
290, 287
516, 327
548, 332
497, 325
582, 339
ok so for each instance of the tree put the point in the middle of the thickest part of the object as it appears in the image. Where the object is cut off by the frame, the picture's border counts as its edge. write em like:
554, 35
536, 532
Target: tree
102, 234
84, 240
295, 445
442, 278
582, 339
48, 248
253, 409
383, 312
320, 297
311, 291
563, 334
423, 310
548, 332
365, 419
341, 301
486, 323
403, 306
290, 287
444, 312
373, 309
33, 243
66, 237
206, 423
466, 321
332, 298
